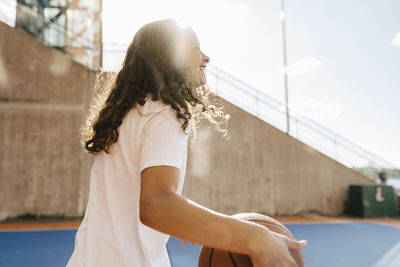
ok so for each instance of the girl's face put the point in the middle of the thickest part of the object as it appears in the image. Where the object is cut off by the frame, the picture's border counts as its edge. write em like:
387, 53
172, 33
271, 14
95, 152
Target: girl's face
196, 60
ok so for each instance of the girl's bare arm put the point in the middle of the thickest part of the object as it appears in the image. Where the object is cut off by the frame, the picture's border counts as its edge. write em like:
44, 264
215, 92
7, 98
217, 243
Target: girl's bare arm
165, 211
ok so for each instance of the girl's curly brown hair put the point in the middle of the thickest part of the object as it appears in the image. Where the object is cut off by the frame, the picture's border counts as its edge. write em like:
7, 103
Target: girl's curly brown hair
149, 70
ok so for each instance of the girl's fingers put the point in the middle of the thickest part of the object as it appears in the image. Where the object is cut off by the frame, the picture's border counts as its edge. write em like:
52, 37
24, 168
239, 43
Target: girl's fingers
294, 244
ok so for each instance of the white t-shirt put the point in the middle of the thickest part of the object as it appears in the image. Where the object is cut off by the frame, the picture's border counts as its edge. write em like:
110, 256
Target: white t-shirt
111, 233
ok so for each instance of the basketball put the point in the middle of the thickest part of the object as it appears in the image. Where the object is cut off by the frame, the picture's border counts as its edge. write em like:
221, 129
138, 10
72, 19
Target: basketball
210, 257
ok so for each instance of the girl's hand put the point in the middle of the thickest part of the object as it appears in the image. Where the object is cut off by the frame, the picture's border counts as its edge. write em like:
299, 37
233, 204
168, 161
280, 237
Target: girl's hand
275, 251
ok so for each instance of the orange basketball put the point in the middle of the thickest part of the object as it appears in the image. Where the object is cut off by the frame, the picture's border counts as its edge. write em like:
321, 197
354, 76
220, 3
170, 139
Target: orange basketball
210, 257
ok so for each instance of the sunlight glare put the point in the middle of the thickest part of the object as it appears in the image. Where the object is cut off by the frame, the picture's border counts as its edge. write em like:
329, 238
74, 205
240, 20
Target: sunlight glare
216, 22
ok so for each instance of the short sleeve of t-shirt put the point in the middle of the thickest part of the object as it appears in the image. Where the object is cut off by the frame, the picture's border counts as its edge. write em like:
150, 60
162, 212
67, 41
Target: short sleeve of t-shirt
162, 142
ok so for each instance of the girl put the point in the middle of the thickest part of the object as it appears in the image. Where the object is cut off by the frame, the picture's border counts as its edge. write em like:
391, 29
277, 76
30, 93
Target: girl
139, 139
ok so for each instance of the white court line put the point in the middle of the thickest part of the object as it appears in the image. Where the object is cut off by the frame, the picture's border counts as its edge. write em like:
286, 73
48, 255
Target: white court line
391, 258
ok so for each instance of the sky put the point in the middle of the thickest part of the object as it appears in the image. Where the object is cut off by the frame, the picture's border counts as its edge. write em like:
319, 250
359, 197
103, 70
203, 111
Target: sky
343, 56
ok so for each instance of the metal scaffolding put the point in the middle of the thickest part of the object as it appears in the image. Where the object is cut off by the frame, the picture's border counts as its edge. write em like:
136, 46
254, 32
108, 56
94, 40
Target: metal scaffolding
73, 26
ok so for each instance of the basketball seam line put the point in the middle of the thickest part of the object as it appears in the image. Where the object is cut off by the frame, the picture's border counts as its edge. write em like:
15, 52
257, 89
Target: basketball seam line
232, 259
211, 255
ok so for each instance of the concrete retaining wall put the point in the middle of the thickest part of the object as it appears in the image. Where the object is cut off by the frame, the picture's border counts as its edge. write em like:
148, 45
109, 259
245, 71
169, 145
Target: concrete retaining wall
262, 169
44, 96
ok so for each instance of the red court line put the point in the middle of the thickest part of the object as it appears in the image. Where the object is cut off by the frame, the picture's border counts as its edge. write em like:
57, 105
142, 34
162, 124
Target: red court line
40, 225
320, 219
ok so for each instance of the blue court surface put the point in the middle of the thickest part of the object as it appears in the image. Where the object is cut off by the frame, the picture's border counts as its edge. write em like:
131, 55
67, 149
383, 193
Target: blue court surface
348, 244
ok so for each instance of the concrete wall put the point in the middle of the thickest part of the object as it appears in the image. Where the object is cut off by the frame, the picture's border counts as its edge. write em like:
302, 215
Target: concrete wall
262, 169
44, 95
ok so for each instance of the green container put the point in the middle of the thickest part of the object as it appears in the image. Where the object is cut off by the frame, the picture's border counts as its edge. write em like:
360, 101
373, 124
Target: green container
398, 205
369, 201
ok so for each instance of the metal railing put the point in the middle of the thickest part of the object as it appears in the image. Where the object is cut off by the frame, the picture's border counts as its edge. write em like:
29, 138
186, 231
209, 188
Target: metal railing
304, 129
